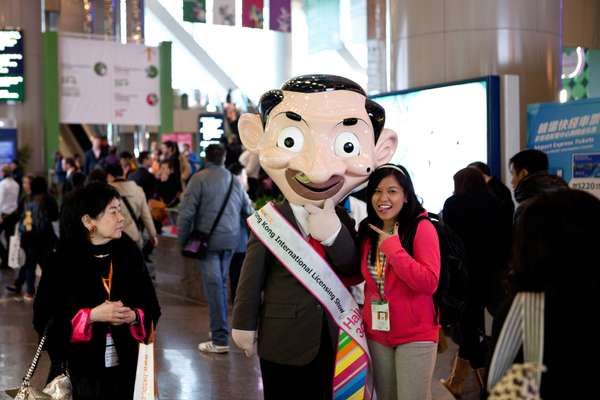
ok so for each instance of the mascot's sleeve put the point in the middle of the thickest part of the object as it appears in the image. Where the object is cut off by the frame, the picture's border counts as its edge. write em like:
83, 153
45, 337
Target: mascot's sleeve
249, 291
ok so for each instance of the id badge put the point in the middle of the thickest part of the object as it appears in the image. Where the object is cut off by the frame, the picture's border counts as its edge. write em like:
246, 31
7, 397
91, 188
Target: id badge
380, 316
111, 359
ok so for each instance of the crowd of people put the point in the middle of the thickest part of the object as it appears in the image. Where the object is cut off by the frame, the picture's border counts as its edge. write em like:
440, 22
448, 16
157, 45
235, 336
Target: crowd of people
112, 207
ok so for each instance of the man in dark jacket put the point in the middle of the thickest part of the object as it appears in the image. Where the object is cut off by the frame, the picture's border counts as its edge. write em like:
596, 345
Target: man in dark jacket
527, 162
206, 194
143, 177
530, 178
498, 189
94, 155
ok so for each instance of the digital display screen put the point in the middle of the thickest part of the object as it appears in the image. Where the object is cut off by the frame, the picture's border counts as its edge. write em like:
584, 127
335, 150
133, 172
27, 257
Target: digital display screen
441, 130
210, 129
12, 81
8, 145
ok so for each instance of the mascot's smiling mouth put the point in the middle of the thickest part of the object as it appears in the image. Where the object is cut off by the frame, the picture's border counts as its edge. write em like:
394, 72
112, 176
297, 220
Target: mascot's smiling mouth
310, 190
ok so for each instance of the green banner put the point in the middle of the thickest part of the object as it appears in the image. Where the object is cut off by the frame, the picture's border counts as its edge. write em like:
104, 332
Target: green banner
166, 89
194, 10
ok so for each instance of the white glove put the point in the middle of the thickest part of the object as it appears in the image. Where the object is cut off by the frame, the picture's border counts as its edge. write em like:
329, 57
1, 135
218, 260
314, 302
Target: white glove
245, 340
323, 223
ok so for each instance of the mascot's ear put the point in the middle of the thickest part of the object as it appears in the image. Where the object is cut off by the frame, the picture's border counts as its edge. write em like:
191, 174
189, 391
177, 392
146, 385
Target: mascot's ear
385, 147
251, 131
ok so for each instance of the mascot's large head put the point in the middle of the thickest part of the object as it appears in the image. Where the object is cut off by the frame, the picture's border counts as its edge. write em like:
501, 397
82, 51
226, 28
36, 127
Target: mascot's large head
318, 137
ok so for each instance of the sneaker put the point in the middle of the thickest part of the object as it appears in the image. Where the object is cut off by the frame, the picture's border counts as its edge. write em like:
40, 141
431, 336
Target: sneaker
28, 297
210, 347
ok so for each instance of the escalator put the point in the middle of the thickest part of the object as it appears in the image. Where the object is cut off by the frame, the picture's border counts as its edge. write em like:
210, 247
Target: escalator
75, 138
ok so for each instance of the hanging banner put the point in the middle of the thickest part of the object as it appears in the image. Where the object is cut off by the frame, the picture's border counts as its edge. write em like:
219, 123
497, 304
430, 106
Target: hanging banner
252, 13
224, 12
280, 16
194, 10
106, 82
568, 133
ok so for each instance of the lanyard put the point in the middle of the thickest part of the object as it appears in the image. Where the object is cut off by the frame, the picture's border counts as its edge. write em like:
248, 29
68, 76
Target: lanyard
380, 272
107, 282
379, 264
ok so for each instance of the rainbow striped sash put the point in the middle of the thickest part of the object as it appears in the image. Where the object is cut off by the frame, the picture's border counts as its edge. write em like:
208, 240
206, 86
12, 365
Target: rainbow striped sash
351, 367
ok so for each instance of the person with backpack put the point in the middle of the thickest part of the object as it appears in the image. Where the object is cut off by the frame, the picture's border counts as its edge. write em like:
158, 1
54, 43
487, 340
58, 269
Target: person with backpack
475, 215
399, 313
37, 235
134, 206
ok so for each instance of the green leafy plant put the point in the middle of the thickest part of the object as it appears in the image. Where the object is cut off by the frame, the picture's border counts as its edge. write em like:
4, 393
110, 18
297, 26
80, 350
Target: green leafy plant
23, 156
261, 201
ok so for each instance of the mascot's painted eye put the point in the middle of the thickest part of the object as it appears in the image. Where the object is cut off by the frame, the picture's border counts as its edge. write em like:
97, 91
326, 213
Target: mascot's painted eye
347, 145
291, 138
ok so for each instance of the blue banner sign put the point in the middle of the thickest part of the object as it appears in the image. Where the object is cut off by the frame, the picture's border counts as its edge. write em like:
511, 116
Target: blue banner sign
569, 134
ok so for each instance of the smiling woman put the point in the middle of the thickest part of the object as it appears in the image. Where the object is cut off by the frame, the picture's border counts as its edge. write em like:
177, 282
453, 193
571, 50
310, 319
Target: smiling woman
401, 327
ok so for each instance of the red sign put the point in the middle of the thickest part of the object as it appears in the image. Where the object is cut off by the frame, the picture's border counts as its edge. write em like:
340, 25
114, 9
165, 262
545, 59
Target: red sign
181, 138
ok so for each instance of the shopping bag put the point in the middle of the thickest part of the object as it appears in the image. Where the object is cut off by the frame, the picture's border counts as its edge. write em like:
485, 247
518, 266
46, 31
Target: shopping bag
16, 255
145, 379
523, 328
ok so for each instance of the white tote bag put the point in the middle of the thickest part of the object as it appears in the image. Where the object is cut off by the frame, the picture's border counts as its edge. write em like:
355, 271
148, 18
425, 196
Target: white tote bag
16, 255
145, 379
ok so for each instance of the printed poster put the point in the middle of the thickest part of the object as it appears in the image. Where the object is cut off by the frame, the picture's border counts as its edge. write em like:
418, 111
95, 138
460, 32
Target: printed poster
105, 82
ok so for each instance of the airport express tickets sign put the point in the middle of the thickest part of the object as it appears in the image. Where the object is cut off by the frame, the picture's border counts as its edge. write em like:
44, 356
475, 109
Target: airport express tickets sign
569, 134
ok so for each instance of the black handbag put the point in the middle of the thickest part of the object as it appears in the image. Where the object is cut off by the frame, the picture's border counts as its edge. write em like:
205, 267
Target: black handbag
197, 243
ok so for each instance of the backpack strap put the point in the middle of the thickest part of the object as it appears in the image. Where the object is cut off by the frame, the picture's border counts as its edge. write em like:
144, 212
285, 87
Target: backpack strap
136, 220
216, 221
409, 237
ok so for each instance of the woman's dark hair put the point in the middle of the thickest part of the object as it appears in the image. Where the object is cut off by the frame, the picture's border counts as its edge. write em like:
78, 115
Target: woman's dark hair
90, 200
38, 185
553, 245
481, 167
171, 145
469, 180
96, 175
78, 179
410, 210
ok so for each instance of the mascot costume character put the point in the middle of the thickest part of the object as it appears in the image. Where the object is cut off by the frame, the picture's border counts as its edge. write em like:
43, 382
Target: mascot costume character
318, 138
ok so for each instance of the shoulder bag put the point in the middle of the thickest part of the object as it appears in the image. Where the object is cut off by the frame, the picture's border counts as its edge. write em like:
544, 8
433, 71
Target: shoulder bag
197, 244
57, 389
524, 327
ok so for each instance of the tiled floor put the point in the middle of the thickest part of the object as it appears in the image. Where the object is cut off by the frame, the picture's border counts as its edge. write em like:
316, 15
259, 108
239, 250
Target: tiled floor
183, 372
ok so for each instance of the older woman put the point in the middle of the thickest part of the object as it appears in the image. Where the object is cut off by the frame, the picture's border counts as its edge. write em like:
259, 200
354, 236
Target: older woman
96, 297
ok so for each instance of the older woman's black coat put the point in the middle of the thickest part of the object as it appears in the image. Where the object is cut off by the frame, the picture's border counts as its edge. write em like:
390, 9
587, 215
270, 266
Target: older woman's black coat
73, 281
